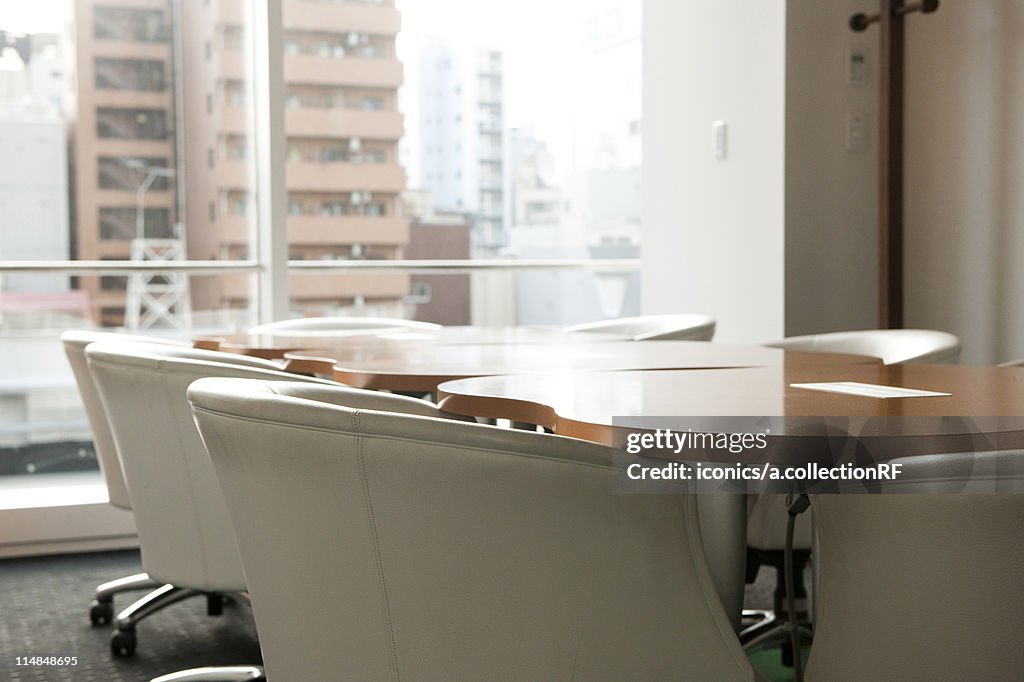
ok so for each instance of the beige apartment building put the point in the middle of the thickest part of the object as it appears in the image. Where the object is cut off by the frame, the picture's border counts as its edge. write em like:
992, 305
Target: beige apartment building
163, 84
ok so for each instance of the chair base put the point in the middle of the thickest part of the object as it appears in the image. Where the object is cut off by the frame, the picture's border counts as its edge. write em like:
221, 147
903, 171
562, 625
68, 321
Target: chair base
124, 640
775, 623
234, 673
101, 610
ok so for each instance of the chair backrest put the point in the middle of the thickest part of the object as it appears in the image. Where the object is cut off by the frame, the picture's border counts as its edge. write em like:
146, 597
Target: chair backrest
922, 586
326, 325
379, 545
75, 341
654, 327
184, 530
893, 346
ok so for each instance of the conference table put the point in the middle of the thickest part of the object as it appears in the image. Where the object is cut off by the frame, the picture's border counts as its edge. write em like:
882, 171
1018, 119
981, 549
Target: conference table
578, 384
275, 346
975, 408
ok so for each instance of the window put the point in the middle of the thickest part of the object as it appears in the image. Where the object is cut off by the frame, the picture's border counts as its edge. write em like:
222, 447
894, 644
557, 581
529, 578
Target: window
131, 124
333, 208
122, 223
131, 24
334, 154
130, 74
129, 173
110, 93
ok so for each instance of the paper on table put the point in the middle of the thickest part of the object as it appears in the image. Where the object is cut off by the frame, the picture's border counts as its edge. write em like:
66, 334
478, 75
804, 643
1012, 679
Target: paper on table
868, 390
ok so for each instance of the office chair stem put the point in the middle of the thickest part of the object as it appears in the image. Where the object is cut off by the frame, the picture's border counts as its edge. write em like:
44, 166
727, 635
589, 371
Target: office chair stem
795, 505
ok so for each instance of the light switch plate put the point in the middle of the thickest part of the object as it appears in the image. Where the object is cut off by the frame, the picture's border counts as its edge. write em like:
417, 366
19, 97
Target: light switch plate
718, 141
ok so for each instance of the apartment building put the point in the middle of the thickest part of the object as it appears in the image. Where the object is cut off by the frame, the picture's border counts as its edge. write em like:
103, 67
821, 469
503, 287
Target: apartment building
461, 152
122, 126
187, 109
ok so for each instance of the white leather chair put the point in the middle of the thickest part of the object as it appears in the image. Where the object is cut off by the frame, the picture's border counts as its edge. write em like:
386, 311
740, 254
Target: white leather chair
766, 520
184, 532
653, 327
101, 611
187, 545
379, 545
327, 325
923, 586
893, 346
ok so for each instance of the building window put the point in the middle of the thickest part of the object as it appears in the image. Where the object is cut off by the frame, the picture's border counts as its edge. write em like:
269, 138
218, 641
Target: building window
140, 75
130, 24
333, 208
128, 173
119, 223
333, 154
113, 283
131, 124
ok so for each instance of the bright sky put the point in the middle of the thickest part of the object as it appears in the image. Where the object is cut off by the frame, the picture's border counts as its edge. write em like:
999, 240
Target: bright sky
538, 37
32, 16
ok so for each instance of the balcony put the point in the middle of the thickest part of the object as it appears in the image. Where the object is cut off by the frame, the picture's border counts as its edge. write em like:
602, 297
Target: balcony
117, 197
234, 119
231, 12
331, 287
320, 16
320, 177
232, 65
117, 49
138, 148
307, 230
132, 99
334, 177
311, 122
370, 125
317, 70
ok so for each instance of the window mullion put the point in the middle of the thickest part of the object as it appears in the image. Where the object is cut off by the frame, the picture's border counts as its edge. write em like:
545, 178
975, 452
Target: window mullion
269, 146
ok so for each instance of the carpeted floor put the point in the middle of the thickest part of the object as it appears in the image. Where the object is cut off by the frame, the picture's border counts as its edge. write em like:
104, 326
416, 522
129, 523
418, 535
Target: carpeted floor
179, 637
182, 636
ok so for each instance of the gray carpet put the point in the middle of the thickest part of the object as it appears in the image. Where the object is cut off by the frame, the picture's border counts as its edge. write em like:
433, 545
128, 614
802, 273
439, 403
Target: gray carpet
181, 636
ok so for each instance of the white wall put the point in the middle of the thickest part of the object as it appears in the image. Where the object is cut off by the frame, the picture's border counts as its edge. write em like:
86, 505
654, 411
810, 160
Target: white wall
964, 164
714, 240
831, 193
713, 231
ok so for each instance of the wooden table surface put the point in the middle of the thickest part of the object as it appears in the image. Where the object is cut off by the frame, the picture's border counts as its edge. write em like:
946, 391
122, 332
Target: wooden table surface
584, 404
274, 346
421, 367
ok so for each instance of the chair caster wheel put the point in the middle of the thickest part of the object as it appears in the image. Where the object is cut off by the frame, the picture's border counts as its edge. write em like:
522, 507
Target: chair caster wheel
101, 612
215, 604
122, 643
